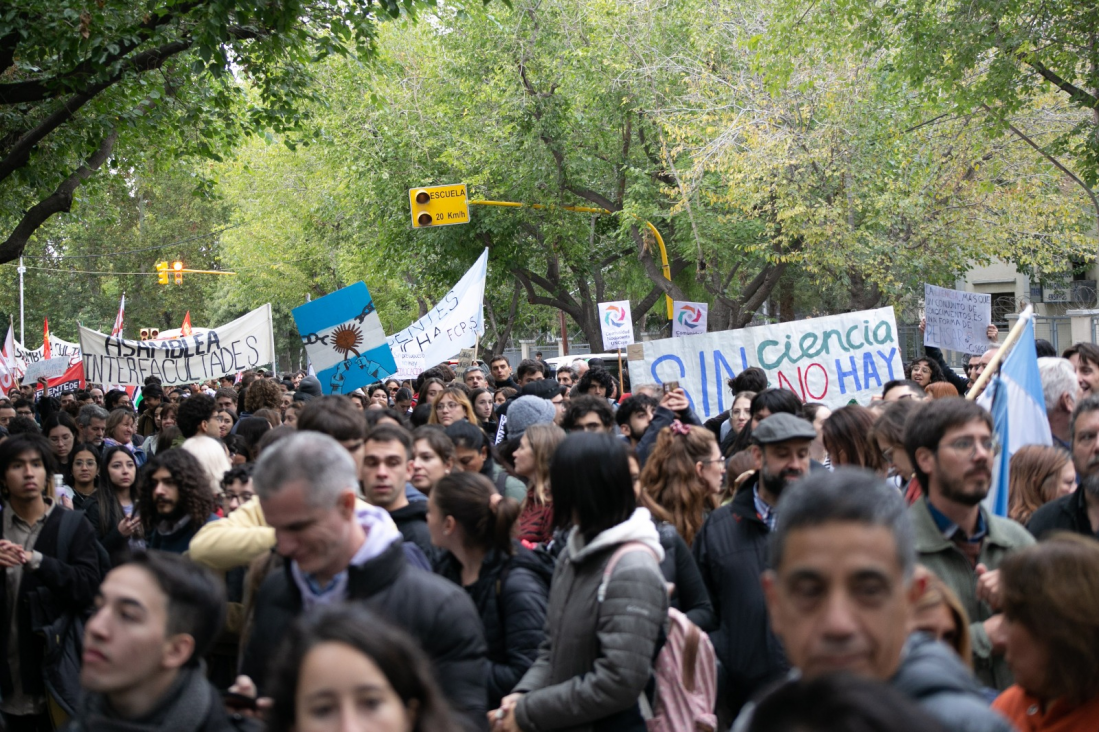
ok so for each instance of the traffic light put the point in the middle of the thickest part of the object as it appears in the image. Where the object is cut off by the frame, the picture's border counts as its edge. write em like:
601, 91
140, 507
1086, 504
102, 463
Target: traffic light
162, 272
150, 334
177, 266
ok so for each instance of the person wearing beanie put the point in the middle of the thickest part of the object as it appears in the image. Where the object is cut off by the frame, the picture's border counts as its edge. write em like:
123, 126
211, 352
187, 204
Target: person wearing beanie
526, 411
551, 390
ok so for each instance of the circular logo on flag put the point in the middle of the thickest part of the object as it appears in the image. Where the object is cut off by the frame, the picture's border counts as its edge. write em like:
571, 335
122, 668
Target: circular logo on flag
690, 316
615, 316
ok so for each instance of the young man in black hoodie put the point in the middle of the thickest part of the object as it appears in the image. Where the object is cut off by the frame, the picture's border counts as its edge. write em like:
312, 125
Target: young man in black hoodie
387, 465
155, 618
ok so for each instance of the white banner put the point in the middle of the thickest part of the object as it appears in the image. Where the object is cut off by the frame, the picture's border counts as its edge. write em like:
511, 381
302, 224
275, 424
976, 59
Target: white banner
956, 320
689, 318
58, 348
453, 324
835, 360
617, 324
243, 344
47, 368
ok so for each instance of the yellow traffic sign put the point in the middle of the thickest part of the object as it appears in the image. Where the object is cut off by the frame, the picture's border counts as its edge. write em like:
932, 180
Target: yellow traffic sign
439, 205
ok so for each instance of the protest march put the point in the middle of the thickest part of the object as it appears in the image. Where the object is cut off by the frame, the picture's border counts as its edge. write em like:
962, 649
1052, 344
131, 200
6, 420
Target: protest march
696, 532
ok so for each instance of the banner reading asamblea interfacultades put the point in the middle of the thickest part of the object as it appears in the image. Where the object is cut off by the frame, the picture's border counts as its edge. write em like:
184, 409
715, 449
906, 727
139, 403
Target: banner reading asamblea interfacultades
242, 344
834, 360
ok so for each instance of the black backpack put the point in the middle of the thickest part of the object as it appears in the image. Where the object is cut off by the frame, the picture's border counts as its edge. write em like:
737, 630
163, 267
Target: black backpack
64, 637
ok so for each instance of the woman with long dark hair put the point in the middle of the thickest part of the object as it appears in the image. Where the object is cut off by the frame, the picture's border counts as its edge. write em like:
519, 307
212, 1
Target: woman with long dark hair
601, 633
85, 474
62, 432
113, 514
343, 667
508, 583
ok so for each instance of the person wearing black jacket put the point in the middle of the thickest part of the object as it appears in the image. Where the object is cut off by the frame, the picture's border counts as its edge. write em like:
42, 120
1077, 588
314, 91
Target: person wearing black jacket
387, 465
336, 552
157, 617
731, 552
508, 583
41, 585
1074, 511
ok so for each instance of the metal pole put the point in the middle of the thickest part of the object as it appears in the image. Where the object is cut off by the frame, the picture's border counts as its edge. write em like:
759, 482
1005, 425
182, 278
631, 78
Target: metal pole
21, 270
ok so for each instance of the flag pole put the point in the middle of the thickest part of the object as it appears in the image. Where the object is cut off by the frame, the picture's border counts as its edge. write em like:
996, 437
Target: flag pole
1001, 354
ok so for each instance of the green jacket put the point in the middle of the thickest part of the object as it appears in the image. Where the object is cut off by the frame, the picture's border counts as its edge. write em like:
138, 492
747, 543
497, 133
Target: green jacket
939, 554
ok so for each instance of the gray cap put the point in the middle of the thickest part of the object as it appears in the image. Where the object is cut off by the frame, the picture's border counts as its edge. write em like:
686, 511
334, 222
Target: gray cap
781, 427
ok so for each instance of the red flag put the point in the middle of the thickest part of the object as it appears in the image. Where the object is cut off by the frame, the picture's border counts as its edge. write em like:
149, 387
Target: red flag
186, 329
46, 339
117, 329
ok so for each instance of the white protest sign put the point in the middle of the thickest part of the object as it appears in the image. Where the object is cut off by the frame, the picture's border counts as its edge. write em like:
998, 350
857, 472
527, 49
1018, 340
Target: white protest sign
956, 320
409, 365
617, 324
243, 344
689, 318
58, 348
453, 324
834, 360
47, 368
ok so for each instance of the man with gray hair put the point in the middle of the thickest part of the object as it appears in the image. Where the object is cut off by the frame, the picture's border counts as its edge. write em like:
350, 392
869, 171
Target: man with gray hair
840, 589
93, 424
475, 377
1079, 510
1059, 389
337, 552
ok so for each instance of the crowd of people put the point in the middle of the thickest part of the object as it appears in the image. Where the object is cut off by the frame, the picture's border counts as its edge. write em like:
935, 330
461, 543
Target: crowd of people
541, 549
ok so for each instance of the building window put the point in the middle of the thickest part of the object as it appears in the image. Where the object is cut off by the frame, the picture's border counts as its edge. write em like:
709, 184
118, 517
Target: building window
1003, 305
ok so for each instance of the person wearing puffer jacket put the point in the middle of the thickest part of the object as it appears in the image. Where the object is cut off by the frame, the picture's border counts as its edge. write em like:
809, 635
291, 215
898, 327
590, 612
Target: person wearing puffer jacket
598, 654
471, 523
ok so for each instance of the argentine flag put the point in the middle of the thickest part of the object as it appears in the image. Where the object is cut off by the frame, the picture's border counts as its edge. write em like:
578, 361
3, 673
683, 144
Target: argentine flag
1014, 397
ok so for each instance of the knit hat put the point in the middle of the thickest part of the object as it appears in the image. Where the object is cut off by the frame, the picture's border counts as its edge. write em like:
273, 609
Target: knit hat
528, 410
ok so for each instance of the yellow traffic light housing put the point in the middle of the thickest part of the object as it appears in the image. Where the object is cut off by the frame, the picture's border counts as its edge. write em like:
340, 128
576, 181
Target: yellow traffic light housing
177, 266
439, 206
144, 334
162, 272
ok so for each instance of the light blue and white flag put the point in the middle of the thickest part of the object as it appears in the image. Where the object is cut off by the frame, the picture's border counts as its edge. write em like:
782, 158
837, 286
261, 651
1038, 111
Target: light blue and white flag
1014, 397
344, 340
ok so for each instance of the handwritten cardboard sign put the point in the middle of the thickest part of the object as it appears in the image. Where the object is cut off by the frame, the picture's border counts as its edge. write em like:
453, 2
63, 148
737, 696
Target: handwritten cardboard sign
956, 320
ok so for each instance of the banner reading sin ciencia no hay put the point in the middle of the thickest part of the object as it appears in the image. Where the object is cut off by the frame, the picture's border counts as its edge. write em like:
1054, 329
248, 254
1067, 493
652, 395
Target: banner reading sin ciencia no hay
833, 360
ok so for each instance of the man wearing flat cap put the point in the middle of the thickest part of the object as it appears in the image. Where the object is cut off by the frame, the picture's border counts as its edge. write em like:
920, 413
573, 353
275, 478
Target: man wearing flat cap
731, 551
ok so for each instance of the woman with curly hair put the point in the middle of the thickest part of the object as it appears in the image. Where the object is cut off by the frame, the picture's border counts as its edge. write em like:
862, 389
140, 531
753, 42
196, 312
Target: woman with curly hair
683, 476
174, 501
924, 371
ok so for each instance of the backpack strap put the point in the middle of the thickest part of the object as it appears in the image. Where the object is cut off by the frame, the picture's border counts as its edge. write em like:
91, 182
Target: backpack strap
70, 519
629, 546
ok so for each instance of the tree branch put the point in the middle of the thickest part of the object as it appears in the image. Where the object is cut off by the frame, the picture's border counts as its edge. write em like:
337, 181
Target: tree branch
19, 155
1075, 93
58, 201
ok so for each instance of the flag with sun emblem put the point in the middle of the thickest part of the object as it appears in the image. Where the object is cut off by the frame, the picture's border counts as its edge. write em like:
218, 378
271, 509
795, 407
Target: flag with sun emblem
344, 339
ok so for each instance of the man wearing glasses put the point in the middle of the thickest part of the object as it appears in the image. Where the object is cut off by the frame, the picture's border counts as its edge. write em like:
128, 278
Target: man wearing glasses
952, 448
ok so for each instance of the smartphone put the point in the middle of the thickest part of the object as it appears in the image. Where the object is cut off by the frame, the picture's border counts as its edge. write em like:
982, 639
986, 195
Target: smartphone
233, 700
670, 386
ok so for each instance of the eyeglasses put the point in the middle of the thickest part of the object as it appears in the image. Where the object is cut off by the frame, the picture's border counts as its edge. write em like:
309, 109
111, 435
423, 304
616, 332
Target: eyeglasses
447, 406
968, 446
710, 461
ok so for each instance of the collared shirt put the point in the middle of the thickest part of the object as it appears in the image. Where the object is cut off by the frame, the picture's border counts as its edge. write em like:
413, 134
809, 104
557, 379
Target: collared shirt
950, 529
18, 531
764, 510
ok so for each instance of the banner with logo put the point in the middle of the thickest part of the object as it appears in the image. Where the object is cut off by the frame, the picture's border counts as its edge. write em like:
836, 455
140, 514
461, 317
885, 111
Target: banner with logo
453, 324
689, 318
345, 340
835, 360
616, 323
245, 343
